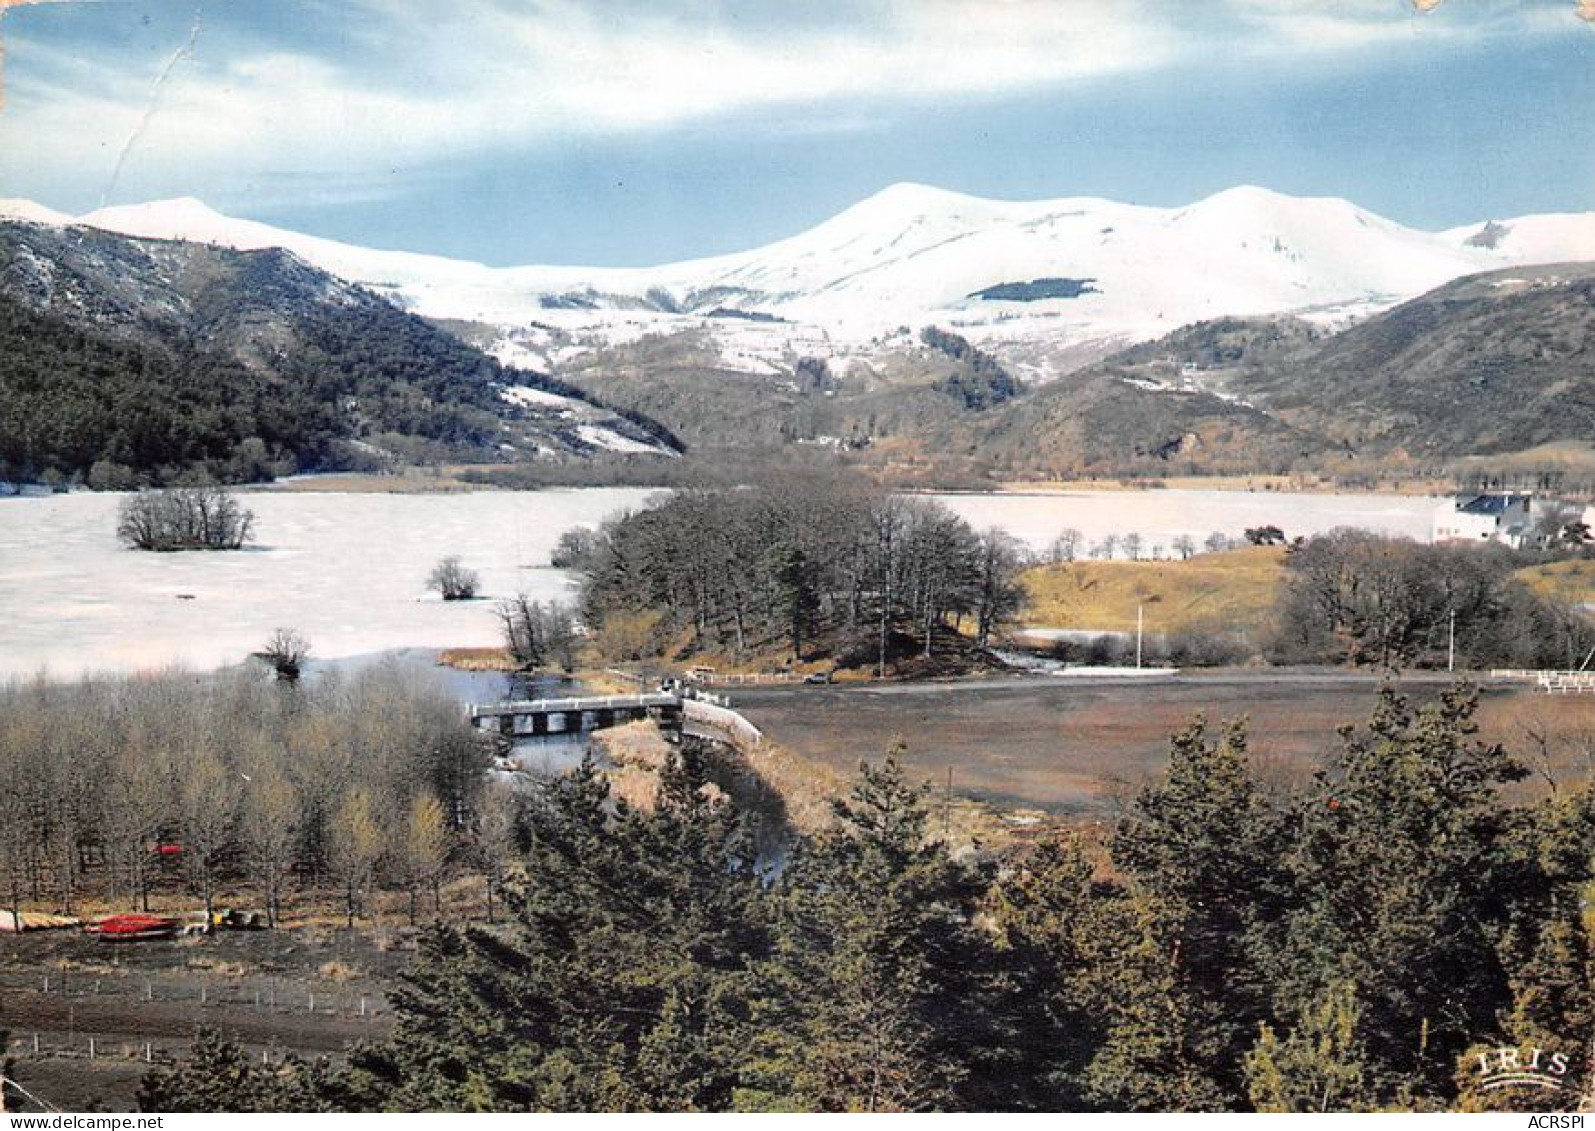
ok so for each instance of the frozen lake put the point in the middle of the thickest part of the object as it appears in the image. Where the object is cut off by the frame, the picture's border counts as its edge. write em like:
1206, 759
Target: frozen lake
1161, 516
349, 570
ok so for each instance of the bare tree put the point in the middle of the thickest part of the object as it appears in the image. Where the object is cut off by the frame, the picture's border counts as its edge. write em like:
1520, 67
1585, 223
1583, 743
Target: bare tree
356, 844
536, 634
1132, 546
574, 549
15, 841
96, 773
139, 790
453, 581
1185, 546
286, 651
1066, 546
209, 800
425, 849
272, 813
1216, 542
1000, 593
495, 839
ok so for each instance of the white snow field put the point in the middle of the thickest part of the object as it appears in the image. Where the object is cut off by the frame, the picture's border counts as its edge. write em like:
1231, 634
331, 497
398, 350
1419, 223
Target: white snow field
913, 255
349, 570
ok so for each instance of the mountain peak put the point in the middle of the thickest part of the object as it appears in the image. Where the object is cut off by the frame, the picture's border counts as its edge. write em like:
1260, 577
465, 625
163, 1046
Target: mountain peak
1257, 200
15, 208
182, 217
908, 199
916, 193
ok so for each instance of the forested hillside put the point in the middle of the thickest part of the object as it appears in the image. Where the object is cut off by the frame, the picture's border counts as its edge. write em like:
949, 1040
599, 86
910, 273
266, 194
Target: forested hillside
1487, 364
156, 360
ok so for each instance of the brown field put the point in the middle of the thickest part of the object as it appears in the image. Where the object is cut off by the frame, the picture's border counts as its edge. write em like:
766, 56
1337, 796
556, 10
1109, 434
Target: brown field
1235, 590
1185, 483
478, 659
407, 481
1080, 748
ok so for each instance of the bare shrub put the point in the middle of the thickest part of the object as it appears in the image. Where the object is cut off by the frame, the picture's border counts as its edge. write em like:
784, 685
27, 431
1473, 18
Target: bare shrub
184, 518
286, 651
453, 581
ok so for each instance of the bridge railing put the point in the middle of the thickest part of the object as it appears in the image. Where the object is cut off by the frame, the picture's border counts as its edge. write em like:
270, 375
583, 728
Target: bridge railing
743, 735
1567, 681
555, 706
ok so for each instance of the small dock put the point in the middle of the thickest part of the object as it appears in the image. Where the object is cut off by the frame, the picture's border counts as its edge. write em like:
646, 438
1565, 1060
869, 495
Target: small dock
530, 718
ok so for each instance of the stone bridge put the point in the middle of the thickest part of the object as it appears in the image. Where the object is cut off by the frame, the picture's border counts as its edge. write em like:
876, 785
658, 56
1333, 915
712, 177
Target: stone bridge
528, 718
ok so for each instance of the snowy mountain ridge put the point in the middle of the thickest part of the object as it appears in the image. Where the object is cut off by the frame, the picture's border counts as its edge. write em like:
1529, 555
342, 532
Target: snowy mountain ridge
1047, 284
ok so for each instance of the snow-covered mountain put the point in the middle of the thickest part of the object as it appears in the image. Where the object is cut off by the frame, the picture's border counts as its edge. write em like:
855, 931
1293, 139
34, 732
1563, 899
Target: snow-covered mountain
1047, 284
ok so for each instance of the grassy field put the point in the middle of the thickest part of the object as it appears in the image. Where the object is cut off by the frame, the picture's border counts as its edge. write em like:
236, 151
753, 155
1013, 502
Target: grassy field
1570, 582
1293, 483
1233, 590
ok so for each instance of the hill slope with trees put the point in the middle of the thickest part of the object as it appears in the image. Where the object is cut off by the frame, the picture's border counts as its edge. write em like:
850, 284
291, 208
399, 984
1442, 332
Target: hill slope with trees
157, 359
1489, 365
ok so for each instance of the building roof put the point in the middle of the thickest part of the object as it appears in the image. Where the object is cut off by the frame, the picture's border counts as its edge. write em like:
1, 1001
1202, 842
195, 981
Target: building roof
1489, 504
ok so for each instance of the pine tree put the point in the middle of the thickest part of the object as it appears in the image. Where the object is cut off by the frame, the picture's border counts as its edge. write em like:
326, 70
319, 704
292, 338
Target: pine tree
1157, 1051
1545, 875
218, 1076
1319, 1066
1392, 869
1204, 842
620, 982
1043, 911
879, 996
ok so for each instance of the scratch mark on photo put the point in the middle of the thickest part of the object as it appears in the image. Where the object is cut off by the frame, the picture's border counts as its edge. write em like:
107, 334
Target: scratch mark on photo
156, 89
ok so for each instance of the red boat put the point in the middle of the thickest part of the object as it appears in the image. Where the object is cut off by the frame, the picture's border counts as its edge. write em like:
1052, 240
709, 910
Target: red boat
130, 928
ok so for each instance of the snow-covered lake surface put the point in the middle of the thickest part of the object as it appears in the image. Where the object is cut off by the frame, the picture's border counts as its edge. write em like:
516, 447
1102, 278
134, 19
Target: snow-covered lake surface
349, 570
1159, 517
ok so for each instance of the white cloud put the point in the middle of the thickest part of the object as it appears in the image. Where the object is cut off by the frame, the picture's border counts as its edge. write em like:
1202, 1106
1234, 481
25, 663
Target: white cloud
494, 75
391, 83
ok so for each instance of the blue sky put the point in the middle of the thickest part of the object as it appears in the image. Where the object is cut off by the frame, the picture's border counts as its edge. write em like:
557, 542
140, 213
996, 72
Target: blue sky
610, 132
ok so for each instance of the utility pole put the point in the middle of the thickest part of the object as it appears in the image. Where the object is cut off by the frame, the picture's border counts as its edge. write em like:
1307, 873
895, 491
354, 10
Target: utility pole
947, 811
1139, 622
1451, 645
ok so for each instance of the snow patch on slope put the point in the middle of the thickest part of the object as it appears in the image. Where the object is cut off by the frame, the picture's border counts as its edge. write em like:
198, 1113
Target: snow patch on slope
601, 437
528, 397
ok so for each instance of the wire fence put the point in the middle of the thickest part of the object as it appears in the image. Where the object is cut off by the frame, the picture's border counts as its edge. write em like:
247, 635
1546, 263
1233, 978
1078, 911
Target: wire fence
36, 1046
283, 995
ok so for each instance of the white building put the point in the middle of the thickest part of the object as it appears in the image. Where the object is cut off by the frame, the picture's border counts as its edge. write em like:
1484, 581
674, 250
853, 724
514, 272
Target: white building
1486, 518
